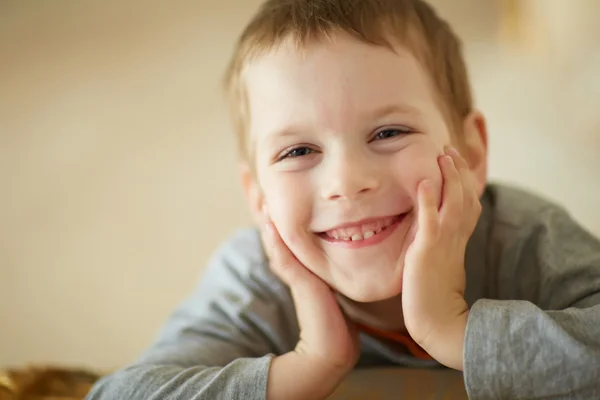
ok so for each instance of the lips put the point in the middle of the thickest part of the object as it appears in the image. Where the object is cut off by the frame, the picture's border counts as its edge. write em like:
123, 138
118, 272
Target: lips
361, 231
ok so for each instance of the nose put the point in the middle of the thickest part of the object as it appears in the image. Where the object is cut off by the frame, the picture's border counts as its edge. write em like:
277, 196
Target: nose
349, 177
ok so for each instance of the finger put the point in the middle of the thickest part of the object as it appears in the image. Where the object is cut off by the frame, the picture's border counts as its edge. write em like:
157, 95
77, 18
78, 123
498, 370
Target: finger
464, 171
452, 194
472, 204
428, 218
283, 263
265, 235
461, 164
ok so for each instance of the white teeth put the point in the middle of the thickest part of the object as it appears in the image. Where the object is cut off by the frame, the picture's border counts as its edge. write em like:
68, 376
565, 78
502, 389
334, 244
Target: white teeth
356, 233
356, 236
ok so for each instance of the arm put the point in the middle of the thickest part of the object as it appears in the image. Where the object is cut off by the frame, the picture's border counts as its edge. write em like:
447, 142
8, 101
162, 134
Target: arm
546, 344
220, 342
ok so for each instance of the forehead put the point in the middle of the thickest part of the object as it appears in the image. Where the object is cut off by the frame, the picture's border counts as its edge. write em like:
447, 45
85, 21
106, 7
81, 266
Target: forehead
331, 81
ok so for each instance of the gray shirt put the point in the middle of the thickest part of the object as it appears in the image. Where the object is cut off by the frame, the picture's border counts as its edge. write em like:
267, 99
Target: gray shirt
533, 286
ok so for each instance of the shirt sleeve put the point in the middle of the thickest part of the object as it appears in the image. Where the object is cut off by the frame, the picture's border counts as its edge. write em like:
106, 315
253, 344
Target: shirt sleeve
219, 343
541, 340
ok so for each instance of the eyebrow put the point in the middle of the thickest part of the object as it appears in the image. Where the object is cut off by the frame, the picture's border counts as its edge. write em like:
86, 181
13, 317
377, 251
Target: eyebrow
273, 138
377, 113
393, 109
274, 135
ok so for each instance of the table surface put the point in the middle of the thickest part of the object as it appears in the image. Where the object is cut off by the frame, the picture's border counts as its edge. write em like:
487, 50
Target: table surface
401, 383
391, 383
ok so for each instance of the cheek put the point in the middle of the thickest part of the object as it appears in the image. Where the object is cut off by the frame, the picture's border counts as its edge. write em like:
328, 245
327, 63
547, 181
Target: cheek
415, 164
289, 204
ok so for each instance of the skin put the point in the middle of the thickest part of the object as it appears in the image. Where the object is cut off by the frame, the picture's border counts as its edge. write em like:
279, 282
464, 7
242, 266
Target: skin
341, 133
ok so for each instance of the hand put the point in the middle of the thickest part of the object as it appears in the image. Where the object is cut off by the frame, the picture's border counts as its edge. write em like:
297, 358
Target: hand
435, 311
328, 347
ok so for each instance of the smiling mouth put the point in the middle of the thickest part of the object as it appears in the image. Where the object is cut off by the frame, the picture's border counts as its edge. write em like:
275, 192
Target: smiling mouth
363, 231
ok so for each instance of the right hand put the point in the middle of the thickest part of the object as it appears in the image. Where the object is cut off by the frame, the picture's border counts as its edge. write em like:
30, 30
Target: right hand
328, 339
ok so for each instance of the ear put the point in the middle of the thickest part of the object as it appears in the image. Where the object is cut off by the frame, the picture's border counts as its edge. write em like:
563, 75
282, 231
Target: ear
252, 191
475, 147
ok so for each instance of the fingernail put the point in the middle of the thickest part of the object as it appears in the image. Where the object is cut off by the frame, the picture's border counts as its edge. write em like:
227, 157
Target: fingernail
266, 220
269, 227
454, 152
447, 160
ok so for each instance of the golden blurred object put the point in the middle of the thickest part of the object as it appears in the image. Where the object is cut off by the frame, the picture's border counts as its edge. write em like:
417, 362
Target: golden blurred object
45, 383
522, 26
511, 18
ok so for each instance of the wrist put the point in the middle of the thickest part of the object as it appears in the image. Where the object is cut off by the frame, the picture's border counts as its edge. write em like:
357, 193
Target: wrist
336, 364
446, 345
299, 376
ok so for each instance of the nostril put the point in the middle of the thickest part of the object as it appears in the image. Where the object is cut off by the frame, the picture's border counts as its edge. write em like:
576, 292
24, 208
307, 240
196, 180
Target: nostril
348, 189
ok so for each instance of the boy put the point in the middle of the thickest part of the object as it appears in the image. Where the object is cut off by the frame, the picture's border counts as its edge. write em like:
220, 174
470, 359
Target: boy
364, 163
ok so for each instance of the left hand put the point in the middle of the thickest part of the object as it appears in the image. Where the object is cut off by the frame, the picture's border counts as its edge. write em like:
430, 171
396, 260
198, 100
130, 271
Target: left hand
435, 311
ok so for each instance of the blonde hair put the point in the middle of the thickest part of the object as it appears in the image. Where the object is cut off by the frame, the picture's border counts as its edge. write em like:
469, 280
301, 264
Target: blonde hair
412, 23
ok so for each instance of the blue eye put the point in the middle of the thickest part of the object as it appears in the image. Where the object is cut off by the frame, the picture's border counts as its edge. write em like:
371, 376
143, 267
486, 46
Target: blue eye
297, 152
391, 133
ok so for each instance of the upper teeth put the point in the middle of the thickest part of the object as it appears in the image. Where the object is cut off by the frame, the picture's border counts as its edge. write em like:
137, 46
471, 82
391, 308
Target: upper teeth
358, 236
361, 232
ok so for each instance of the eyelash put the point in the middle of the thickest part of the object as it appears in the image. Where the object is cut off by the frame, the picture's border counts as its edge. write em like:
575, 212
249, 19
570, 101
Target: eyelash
290, 153
400, 132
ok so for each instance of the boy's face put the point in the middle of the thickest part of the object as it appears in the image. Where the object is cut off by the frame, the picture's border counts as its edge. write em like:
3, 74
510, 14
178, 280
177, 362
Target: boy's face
342, 134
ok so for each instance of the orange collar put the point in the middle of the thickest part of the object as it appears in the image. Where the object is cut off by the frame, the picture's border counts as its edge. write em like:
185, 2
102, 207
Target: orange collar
398, 337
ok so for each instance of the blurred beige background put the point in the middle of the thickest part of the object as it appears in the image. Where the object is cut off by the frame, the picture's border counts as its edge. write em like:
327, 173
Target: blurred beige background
118, 168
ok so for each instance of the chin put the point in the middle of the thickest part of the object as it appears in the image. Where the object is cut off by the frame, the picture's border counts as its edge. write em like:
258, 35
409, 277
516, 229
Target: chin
368, 292
380, 280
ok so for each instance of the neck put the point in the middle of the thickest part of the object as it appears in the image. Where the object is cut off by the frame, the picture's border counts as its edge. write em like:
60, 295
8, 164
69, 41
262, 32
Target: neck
384, 315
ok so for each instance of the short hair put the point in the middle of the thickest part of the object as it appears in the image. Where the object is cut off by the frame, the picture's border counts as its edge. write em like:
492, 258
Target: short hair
412, 23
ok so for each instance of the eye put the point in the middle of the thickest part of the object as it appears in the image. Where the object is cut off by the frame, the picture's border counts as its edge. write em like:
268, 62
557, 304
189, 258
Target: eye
391, 133
296, 152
